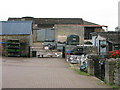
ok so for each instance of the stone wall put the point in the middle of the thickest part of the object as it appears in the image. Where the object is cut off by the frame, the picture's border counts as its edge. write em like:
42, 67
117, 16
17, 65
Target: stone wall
117, 77
62, 31
23, 37
109, 67
34, 36
24, 47
90, 67
91, 63
112, 74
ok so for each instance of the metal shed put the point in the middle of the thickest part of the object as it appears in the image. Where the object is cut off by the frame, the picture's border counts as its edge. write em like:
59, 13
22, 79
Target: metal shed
17, 30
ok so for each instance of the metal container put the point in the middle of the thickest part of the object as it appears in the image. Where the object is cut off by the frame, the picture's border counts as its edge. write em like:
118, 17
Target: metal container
72, 40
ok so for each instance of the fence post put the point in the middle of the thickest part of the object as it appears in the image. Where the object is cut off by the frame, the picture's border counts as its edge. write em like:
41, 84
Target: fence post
90, 66
109, 68
119, 76
116, 77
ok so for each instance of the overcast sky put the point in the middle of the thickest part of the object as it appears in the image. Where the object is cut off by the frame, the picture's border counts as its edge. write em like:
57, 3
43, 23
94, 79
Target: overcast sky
103, 12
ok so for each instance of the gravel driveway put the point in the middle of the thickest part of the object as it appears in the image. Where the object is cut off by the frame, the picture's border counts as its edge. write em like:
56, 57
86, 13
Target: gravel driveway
44, 73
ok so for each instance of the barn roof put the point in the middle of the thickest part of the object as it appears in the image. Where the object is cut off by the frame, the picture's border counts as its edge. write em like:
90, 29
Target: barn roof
15, 27
52, 20
111, 36
89, 23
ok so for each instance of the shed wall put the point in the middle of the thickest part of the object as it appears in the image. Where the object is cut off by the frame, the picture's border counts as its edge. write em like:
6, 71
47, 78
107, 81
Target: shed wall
42, 34
34, 36
62, 31
24, 47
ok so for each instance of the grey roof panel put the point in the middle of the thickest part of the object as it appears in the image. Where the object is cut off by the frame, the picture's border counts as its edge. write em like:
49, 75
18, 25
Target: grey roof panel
89, 23
16, 27
111, 36
52, 20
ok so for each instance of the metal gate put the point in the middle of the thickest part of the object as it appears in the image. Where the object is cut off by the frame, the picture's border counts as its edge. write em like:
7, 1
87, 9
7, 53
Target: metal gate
45, 34
99, 68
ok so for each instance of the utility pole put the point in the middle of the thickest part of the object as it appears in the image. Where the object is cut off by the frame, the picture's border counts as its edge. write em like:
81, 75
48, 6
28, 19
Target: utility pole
119, 14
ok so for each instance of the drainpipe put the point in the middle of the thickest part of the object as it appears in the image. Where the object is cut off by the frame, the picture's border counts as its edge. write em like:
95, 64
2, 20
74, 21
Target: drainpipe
96, 42
95, 39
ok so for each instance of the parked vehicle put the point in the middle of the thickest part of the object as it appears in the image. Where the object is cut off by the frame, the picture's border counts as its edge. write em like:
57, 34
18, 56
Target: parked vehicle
60, 45
72, 40
77, 51
50, 44
88, 43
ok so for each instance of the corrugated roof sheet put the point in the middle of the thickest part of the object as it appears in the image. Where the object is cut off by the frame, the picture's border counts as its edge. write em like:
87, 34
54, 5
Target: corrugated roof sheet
111, 36
52, 20
16, 27
89, 23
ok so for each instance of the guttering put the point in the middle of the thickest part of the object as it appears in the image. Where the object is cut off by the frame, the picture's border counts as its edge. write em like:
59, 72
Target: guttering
83, 25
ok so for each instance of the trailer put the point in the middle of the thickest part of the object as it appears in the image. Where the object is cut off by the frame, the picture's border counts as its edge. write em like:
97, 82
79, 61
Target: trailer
41, 52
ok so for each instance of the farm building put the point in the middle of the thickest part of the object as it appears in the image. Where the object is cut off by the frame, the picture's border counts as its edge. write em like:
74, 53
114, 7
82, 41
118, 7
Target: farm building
59, 28
16, 38
106, 41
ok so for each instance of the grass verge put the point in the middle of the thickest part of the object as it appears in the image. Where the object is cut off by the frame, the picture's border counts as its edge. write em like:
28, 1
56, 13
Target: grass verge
114, 86
76, 68
81, 72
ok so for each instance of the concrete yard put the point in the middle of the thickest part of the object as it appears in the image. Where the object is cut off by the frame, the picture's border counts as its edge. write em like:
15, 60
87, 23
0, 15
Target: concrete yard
44, 73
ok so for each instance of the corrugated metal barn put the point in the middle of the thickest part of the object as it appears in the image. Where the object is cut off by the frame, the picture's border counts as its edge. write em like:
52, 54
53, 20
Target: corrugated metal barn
60, 28
48, 28
51, 28
16, 38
